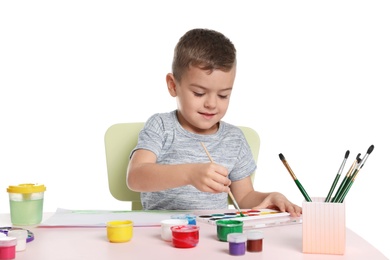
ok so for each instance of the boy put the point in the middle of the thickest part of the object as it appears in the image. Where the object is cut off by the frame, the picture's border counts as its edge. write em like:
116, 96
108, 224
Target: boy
169, 165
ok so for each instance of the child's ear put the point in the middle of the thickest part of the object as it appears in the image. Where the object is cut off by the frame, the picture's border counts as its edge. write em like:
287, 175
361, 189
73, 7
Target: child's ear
171, 84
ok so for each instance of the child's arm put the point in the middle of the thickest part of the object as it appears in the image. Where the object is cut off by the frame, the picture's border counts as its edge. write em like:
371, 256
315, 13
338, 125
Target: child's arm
248, 198
144, 174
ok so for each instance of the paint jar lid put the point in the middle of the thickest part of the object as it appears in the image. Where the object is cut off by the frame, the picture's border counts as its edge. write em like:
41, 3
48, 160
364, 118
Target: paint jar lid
7, 241
184, 229
173, 222
26, 188
236, 237
18, 233
229, 223
254, 234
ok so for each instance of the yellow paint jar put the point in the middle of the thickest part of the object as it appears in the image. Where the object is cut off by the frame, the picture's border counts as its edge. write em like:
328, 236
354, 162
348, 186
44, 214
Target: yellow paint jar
119, 231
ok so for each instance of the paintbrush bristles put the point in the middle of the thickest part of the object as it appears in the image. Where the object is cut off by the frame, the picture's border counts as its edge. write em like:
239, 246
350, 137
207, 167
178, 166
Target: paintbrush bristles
283, 159
370, 149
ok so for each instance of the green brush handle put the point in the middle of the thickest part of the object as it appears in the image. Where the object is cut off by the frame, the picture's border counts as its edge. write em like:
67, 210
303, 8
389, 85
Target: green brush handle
332, 188
342, 196
304, 193
340, 189
346, 187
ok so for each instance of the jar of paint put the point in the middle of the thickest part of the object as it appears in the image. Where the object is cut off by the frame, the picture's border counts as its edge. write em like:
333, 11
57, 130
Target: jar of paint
7, 248
119, 231
237, 243
227, 226
21, 238
189, 217
254, 241
166, 224
185, 236
26, 204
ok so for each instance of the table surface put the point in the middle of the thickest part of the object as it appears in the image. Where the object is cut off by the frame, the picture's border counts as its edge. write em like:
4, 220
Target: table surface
280, 242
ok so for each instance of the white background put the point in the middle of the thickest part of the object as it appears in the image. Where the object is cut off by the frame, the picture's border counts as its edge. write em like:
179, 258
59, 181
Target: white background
312, 79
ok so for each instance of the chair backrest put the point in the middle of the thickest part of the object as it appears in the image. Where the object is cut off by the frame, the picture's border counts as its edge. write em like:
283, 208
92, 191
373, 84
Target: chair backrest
120, 140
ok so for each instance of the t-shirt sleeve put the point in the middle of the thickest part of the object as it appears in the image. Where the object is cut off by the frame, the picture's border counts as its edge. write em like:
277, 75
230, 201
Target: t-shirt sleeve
246, 164
151, 136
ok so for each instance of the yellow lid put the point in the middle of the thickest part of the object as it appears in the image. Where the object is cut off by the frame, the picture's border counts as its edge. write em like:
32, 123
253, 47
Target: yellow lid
26, 188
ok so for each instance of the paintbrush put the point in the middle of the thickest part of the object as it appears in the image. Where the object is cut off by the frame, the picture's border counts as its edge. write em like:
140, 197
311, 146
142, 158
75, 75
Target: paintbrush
300, 187
230, 193
336, 179
346, 178
353, 177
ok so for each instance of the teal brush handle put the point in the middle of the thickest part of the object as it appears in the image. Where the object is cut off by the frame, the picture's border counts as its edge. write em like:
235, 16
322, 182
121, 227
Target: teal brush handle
304, 193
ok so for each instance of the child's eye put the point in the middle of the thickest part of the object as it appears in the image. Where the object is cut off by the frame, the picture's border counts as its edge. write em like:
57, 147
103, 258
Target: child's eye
223, 96
198, 94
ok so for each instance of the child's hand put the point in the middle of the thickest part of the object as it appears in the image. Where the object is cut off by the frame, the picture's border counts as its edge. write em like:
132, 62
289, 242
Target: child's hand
278, 201
210, 177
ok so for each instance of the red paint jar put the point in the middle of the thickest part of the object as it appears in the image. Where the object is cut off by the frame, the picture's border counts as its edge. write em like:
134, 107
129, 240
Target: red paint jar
185, 236
254, 241
7, 248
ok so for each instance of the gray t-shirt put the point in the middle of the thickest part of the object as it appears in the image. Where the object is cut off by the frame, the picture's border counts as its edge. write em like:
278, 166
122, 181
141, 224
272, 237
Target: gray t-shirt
164, 136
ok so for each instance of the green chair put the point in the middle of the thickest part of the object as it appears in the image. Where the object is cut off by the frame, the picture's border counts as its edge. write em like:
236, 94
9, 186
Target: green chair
120, 139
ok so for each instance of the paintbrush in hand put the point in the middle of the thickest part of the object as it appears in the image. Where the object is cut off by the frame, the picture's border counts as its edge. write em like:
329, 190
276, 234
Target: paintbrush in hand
230, 193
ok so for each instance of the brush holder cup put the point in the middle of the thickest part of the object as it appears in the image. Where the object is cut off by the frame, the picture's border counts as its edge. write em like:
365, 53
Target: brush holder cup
323, 227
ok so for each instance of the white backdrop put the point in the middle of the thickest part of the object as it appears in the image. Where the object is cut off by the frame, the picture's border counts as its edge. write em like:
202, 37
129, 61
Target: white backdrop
312, 79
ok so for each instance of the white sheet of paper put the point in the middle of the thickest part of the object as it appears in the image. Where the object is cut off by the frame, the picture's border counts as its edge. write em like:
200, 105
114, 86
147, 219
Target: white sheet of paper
99, 218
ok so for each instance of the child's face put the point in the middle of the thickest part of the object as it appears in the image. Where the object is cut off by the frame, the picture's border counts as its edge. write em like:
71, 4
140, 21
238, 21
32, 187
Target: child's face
202, 98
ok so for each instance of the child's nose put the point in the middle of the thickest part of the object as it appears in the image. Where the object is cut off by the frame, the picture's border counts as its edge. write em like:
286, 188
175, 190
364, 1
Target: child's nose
211, 102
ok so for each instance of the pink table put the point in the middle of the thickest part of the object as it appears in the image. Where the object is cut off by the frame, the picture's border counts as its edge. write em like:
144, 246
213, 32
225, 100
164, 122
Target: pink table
281, 242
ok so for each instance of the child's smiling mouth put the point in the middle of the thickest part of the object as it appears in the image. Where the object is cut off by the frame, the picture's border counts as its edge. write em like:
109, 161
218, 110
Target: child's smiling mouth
207, 115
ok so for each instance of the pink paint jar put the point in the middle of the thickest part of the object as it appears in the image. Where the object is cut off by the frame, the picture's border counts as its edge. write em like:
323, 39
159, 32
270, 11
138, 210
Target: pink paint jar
185, 236
7, 248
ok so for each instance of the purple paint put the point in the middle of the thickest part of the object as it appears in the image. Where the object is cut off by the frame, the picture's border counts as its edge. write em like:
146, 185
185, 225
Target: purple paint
237, 243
